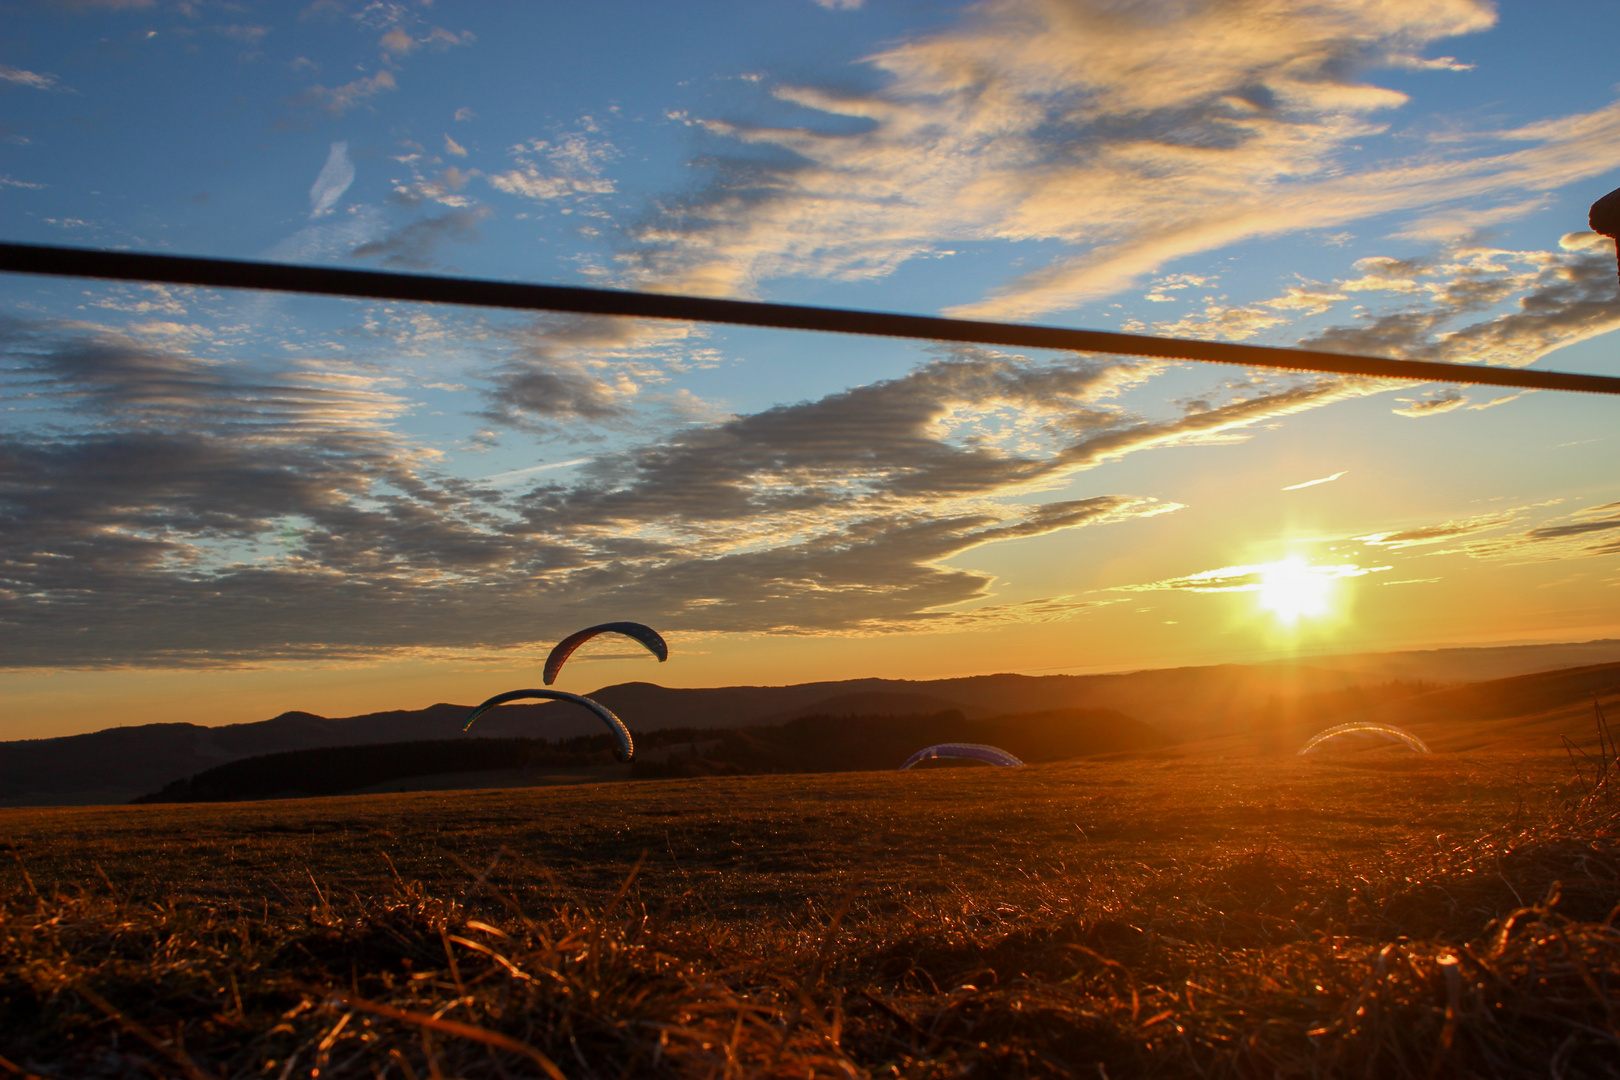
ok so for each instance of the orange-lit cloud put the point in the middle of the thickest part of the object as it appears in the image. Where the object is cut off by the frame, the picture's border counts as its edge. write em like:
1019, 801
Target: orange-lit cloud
1582, 534
1250, 578
1440, 533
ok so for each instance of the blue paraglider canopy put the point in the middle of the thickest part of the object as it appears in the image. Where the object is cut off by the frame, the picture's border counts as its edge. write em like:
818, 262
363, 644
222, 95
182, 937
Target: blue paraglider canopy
990, 755
624, 751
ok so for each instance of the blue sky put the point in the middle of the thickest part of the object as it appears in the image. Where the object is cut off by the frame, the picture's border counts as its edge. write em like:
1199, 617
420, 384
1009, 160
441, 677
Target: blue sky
219, 505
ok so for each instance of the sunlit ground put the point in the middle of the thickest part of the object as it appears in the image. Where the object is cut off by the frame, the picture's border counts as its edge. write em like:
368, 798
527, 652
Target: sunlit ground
1157, 917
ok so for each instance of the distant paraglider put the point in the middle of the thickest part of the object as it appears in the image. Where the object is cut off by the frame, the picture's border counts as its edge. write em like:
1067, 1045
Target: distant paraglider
990, 755
624, 751
1384, 731
565, 648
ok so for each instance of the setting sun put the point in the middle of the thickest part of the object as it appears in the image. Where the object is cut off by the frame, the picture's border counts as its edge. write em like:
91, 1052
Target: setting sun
1292, 590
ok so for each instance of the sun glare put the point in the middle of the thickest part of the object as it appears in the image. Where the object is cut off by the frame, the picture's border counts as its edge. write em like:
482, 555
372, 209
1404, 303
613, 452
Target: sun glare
1291, 590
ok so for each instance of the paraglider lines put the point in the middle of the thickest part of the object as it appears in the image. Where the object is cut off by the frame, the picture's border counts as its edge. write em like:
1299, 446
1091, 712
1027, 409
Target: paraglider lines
428, 288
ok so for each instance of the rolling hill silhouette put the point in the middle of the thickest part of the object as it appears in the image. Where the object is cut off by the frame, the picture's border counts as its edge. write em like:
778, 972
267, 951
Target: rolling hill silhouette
820, 743
1190, 704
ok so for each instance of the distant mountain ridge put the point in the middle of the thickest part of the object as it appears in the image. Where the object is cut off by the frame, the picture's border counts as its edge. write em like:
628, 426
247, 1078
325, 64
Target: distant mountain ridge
820, 743
1472, 664
116, 764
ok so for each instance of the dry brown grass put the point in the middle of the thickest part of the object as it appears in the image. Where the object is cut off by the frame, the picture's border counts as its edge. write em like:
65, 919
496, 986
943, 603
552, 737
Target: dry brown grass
1373, 915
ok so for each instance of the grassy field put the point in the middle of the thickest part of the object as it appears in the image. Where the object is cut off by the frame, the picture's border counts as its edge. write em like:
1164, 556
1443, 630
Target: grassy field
1370, 913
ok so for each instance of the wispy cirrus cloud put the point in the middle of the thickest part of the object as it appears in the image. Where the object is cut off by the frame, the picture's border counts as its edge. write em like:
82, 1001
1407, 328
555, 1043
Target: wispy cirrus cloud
1444, 531
1313, 483
334, 179
414, 246
1249, 578
1133, 134
34, 79
1528, 533
1433, 404
1584, 533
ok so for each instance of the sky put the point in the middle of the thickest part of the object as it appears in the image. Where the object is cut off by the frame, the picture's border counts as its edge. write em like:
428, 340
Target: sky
216, 506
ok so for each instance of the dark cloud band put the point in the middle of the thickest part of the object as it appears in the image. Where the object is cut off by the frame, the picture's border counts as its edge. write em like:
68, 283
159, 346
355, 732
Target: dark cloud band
377, 285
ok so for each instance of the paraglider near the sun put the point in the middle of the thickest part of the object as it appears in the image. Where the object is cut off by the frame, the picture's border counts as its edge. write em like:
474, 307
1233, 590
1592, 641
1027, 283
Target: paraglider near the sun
646, 635
1291, 590
1382, 731
990, 755
625, 750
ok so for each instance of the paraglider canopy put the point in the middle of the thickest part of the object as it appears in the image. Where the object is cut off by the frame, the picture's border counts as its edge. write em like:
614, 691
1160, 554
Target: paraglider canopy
990, 755
624, 751
1382, 731
634, 630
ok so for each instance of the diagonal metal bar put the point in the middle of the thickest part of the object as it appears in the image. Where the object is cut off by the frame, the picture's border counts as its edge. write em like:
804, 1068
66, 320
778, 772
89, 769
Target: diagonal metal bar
428, 288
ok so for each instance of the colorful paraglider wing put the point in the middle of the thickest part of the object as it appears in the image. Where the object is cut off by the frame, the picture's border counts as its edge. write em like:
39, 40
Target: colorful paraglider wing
990, 755
1383, 731
565, 648
626, 749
